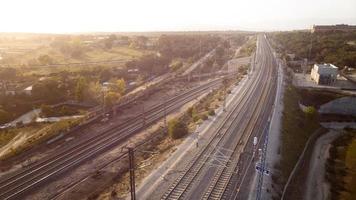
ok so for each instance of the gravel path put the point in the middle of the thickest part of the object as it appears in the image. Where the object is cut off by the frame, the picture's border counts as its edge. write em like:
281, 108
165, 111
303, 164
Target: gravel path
316, 187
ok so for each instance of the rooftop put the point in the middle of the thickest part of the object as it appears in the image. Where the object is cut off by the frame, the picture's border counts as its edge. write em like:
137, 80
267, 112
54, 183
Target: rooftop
326, 65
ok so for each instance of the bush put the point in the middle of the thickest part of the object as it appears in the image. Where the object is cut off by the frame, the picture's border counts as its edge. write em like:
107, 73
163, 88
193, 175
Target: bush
48, 111
204, 116
211, 112
196, 118
192, 111
177, 129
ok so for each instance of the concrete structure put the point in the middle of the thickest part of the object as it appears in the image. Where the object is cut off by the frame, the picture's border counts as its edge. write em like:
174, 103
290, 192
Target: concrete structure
325, 74
331, 28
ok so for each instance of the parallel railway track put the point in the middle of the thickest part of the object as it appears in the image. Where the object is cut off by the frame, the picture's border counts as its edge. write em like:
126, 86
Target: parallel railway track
224, 172
20, 182
219, 187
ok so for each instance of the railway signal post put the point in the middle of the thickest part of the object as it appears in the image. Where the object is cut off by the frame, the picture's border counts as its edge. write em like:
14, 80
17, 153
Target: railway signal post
132, 173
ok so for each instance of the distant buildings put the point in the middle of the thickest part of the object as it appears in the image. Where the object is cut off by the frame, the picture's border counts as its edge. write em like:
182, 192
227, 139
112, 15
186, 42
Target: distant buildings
324, 74
331, 28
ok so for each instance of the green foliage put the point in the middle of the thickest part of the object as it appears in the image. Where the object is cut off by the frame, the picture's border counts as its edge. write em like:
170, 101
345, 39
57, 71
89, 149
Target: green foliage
80, 89
120, 86
248, 48
176, 64
211, 112
49, 90
72, 47
296, 129
111, 98
310, 111
95, 92
320, 47
139, 42
45, 59
185, 46
109, 41
341, 165
177, 129
204, 116
192, 111
48, 111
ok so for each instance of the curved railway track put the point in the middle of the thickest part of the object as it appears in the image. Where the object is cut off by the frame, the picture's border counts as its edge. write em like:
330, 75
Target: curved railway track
22, 181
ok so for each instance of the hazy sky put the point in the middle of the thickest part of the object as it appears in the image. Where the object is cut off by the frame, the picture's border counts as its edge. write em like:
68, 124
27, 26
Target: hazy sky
167, 15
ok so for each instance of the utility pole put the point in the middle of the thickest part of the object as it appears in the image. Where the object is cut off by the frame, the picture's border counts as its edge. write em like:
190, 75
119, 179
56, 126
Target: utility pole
132, 173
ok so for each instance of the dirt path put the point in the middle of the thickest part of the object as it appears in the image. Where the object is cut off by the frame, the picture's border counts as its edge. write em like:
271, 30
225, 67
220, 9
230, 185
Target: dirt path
316, 188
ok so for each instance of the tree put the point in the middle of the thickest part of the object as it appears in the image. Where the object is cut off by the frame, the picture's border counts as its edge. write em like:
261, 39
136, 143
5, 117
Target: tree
95, 92
121, 86
49, 90
176, 64
80, 88
110, 41
105, 74
177, 129
310, 111
45, 59
111, 98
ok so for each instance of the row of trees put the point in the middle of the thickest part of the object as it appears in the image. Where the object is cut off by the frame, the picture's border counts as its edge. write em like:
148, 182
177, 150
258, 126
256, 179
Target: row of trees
185, 46
172, 48
332, 47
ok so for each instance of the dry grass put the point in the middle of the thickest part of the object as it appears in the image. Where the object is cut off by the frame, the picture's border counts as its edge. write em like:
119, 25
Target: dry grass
28, 136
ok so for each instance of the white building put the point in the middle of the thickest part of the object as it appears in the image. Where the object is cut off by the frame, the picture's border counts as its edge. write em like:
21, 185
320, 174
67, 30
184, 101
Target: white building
324, 73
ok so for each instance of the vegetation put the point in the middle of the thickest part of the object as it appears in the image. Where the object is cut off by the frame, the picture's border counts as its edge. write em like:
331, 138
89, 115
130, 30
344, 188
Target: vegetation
341, 167
248, 48
35, 135
319, 47
48, 111
177, 129
297, 126
6, 135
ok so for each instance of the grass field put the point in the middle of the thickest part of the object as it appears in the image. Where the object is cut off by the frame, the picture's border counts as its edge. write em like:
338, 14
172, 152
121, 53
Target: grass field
297, 127
350, 179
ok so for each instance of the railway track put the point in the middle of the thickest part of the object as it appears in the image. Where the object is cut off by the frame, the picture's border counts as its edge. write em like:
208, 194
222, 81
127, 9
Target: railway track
223, 177
223, 138
235, 186
22, 181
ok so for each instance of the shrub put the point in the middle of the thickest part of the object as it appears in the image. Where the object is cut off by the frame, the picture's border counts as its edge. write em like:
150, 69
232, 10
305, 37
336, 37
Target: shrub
192, 111
204, 116
211, 112
177, 129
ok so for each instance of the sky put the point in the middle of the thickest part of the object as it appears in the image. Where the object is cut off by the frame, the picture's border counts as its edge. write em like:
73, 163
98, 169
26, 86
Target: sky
68, 16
